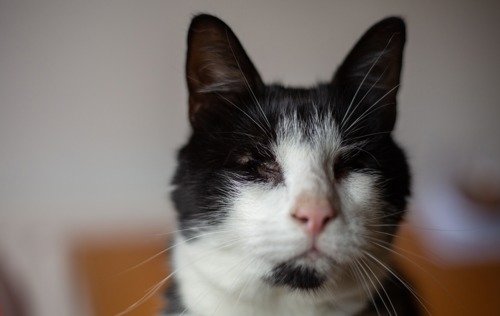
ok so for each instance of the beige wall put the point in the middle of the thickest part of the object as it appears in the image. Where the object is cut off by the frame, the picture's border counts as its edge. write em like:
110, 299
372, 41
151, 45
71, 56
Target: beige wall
93, 101
93, 98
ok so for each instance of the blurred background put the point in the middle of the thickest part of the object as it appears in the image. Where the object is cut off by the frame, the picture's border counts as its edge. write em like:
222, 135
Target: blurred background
93, 108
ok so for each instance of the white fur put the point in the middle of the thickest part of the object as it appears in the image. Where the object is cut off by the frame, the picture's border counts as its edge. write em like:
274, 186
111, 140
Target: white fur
222, 272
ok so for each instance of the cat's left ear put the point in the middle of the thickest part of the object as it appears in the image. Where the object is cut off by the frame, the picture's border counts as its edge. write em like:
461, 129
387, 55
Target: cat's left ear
370, 74
218, 70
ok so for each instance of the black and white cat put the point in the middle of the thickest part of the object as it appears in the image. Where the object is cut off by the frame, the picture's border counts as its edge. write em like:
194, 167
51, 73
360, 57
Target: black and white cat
288, 198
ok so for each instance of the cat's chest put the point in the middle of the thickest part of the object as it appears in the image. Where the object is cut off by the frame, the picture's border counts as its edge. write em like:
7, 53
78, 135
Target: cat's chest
268, 310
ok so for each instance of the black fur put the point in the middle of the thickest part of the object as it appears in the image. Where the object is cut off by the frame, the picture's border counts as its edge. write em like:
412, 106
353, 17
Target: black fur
231, 140
296, 277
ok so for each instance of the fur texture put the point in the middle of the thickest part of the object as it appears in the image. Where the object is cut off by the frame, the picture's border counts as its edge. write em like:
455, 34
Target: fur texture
259, 153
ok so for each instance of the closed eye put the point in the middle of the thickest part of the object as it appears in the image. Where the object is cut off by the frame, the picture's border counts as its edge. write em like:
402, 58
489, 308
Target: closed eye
270, 170
346, 163
260, 168
340, 167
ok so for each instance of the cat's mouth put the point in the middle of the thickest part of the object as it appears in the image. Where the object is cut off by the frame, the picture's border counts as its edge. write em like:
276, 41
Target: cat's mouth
311, 256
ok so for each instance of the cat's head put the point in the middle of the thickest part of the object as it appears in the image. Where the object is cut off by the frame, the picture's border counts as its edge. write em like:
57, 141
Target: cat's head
299, 182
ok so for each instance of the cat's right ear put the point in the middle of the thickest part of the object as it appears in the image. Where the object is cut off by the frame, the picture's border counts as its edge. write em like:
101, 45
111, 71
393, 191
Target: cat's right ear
371, 72
218, 69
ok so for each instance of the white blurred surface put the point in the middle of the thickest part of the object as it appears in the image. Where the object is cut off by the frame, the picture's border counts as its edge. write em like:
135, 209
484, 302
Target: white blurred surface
455, 229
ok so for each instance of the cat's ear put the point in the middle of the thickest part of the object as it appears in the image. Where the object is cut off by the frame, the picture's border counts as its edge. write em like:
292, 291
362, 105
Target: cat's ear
217, 67
370, 74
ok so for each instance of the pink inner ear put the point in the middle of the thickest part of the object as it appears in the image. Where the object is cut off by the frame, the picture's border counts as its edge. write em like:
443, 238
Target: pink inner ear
217, 67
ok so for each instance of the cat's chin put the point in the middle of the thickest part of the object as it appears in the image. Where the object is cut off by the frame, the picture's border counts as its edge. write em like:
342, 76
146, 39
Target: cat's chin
296, 276
307, 272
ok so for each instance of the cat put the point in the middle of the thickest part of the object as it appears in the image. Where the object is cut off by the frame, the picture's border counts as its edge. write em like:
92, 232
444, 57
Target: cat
288, 199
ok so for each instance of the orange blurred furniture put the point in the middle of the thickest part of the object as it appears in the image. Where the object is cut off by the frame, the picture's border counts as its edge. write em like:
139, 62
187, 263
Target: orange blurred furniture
115, 273
449, 290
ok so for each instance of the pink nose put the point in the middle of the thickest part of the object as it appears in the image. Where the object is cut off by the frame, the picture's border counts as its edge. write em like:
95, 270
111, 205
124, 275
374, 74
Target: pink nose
314, 217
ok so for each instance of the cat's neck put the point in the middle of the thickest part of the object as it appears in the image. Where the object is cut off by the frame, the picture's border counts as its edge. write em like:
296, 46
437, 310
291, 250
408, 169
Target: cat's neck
214, 279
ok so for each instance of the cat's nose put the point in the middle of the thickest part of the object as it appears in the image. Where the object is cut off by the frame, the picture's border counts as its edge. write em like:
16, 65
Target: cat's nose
314, 216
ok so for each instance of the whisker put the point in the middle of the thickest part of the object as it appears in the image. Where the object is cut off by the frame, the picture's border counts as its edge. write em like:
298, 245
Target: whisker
408, 259
248, 264
349, 139
380, 99
364, 115
150, 292
239, 133
245, 285
256, 101
404, 283
423, 228
202, 295
183, 230
266, 132
166, 250
366, 286
184, 311
370, 154
374, 218
383, 289
245, 113
364, 79
373, 284
366, 94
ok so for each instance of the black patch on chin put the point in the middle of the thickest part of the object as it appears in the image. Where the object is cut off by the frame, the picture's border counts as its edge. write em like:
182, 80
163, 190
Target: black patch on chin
296, 277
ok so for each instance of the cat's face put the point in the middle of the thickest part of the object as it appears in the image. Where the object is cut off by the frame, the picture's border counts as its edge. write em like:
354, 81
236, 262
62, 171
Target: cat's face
298, 183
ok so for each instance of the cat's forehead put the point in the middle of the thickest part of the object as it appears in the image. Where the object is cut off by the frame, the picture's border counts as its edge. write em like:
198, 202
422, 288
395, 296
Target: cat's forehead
300, 122
307, 146
317, 132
